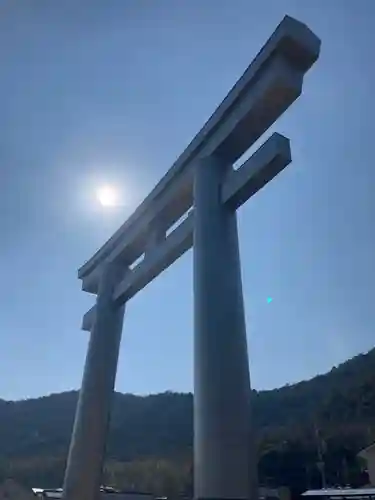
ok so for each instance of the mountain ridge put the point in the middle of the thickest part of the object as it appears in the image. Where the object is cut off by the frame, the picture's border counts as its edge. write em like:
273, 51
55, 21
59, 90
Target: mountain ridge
336, 409
285, 386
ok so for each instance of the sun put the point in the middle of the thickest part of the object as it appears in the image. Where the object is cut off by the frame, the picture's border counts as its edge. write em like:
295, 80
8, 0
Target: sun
107, 196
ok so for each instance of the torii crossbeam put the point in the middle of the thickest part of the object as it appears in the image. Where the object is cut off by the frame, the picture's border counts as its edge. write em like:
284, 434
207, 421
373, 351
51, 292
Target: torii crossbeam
203, 191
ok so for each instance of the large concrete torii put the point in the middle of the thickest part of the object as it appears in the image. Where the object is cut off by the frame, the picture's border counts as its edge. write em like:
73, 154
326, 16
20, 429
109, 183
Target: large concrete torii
203, 191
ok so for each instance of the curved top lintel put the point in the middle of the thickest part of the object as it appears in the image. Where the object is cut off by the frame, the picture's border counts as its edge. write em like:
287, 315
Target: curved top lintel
292, 43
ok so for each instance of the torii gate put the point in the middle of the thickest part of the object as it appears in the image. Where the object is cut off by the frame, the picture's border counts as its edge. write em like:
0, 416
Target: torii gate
202, 186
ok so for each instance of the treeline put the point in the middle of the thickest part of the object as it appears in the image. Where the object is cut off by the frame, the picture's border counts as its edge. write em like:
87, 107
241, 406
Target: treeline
150, 439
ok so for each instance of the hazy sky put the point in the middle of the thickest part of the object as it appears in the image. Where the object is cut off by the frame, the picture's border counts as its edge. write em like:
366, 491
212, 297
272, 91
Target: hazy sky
112, 91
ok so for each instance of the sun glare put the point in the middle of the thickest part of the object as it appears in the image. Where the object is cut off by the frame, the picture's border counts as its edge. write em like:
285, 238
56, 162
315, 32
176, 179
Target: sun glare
107, 196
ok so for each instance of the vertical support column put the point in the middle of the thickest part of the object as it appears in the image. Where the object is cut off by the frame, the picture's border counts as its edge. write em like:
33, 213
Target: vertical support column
224, 454
85, 460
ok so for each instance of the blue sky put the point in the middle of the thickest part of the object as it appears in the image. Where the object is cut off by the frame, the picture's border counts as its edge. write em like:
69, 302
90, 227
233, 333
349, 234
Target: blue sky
112, 92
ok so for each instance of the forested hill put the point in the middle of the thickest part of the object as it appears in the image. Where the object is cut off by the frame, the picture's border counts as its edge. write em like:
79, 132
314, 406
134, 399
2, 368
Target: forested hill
335, 411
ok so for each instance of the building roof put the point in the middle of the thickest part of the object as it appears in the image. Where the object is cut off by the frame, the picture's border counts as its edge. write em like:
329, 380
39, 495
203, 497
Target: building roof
57, 492
363, 453
340, 492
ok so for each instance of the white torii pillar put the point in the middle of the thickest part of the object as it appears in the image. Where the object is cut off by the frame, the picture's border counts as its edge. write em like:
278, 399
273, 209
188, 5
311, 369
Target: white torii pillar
224, 454
85, 459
